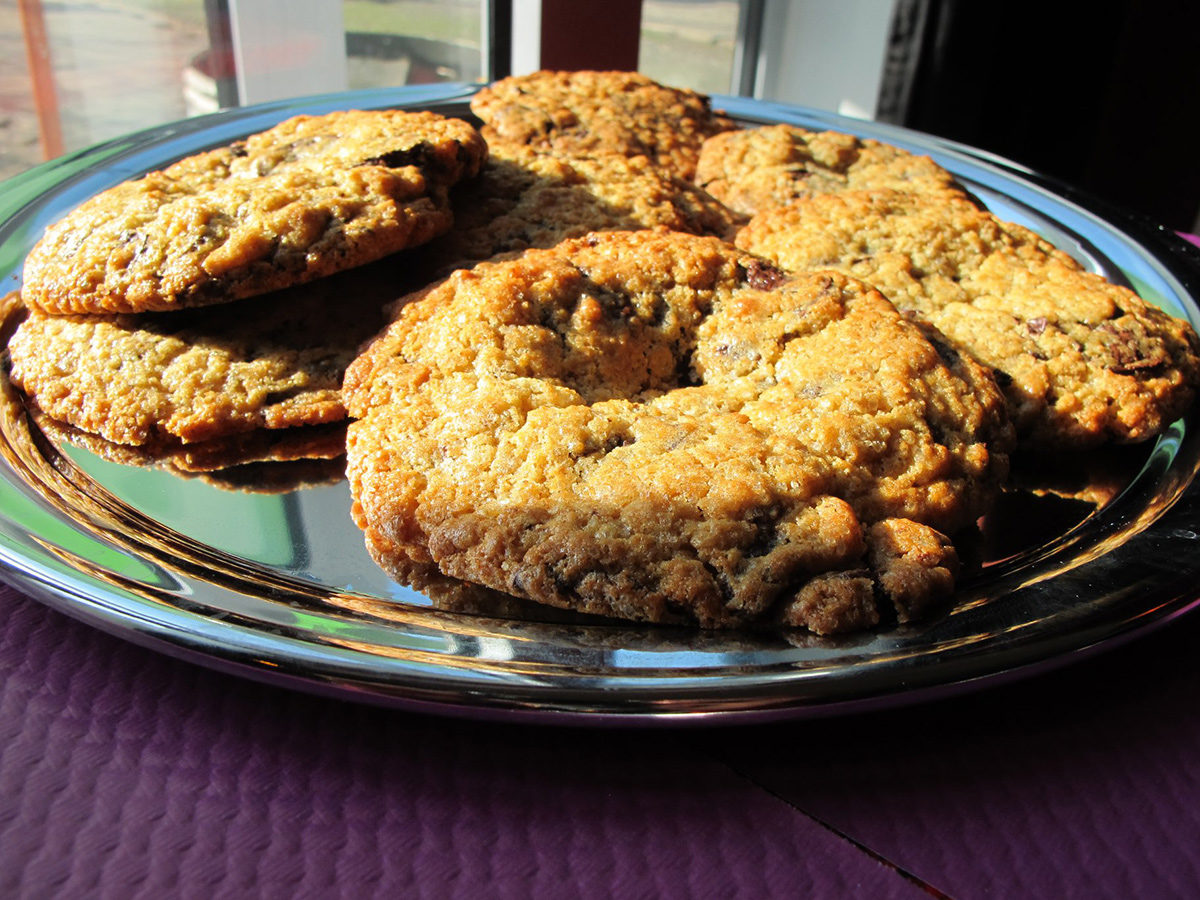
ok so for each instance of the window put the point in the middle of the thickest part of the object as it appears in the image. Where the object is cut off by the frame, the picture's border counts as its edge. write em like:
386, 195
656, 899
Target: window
77, 72
690, 44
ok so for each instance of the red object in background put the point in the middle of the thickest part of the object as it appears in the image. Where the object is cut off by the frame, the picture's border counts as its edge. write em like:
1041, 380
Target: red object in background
580, 34
41, 73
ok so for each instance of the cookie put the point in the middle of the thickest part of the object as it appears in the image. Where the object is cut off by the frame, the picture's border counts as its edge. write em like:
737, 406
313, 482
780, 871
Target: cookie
523, 200
312, 196
202, 381
261, 448
660, 427
1082, 361
760, 168
583, 113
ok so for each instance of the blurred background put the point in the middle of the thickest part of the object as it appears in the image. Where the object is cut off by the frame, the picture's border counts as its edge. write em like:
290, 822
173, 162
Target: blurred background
1105, 100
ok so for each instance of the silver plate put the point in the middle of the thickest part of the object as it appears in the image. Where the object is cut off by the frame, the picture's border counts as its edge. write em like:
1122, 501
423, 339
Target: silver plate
279, 586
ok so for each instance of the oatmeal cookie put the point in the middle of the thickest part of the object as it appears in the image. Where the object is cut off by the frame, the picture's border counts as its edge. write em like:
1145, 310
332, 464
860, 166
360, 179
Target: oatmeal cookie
309, 197
524, 199
658, 426
1081, 360
306, 443
760, 168
583, 113
236, 376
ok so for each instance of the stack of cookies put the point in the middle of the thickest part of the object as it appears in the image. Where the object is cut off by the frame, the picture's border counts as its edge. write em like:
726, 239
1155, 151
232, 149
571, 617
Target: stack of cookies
610, 352
202, 316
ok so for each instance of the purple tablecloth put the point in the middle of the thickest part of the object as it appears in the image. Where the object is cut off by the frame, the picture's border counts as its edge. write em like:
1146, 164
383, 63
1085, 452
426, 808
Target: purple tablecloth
125, 773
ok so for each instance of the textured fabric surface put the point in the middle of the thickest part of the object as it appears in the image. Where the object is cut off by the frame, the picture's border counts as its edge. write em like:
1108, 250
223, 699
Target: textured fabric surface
125, 774
1080, 783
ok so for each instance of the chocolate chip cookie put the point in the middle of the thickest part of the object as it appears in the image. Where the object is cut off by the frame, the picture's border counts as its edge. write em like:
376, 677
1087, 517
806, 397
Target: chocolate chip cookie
220, 384
587, 112
661, 427
309, 197
523, 199
760, 168
1081, 360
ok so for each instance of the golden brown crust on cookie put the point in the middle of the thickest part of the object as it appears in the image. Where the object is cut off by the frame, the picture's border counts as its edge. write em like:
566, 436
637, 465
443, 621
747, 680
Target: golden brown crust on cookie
760, 168
1081, 360
308, 442
270, 363
653, 426
523, 199
311, 196
583, 113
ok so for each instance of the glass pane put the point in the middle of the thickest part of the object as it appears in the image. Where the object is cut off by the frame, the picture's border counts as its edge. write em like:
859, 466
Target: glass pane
76, 72
689, 43
80, 73
20, 146
391, 42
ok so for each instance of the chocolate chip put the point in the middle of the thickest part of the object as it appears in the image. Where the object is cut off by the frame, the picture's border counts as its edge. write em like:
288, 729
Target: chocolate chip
720, 581
1128, 352
766, 530
419, 155
762, 275
949, 355
1134, 365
